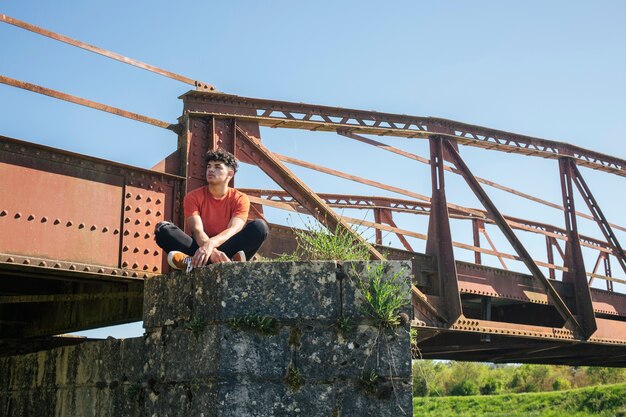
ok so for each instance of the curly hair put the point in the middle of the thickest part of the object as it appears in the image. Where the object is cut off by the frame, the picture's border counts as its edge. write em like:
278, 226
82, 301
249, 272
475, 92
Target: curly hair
220, 155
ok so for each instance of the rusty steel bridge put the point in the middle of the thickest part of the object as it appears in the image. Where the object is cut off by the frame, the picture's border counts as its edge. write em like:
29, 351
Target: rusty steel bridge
76, 256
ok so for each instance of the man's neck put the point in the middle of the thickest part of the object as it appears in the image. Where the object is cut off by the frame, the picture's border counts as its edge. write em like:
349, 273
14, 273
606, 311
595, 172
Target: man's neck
218, 190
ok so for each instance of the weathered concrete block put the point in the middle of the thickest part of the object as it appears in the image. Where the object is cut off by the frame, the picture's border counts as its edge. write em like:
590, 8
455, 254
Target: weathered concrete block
382, 399
327, 353
263, 399
282, 290
205, 355
246, 352
168, 299
197, 398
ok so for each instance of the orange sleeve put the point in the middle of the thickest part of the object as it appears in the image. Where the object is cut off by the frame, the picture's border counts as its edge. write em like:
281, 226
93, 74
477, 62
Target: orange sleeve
242, 207
191, 205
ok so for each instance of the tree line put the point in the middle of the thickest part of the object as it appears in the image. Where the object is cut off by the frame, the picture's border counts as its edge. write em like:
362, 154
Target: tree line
443, 378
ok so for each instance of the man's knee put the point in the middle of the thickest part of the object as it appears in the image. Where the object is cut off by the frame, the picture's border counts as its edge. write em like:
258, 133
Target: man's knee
260, 227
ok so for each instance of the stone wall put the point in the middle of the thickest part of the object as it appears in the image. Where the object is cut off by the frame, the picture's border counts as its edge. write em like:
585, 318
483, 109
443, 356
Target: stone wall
245, 339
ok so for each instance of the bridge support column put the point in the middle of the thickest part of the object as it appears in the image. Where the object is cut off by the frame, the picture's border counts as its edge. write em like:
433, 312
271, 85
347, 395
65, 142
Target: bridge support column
439, 243
573, 259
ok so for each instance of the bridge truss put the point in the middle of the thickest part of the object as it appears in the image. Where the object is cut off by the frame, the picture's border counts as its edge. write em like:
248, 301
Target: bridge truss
86, 242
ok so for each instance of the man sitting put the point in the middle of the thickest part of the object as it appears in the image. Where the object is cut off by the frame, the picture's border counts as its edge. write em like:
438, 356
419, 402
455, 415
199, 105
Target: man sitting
216, 217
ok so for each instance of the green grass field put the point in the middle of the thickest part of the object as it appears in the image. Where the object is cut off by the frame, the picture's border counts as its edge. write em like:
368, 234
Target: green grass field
604, 401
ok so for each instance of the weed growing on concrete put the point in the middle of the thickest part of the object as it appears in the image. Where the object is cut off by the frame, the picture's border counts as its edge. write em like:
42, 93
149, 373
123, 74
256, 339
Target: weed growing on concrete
374, 385
382, 296
294, 379
196, 325
343, 325
415, 350
317, 243
263, 325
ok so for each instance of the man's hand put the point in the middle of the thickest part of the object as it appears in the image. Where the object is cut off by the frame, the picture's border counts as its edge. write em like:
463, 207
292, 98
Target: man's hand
203, 254
218, 257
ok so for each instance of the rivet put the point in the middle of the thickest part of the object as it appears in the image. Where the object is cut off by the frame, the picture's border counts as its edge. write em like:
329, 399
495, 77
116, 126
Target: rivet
43, 263
101, 271
155, 269
86, 269
26, 262
127, 220
114, 272
72, 268
57, 221
135, 265
3, 213
128, 207
148, 211
136, 234
135, 275
81, 226
158, 214
156, 253
160, 189
10, 260
138, 197
44, 219
146, 236
93, 228
17, 215
149, 199
124, 264
125, 248
105, 229
115, 232
126, 232
146, 251
125, 273
138, 210
148, 223
135, 250
128, 195
69, 224
158, 201
57, 265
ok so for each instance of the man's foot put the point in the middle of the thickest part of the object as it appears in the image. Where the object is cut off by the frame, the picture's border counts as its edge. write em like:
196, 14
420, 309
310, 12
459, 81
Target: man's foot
239, 257
180, 261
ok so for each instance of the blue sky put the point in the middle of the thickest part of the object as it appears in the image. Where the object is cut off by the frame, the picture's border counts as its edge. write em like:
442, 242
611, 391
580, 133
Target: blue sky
548, 69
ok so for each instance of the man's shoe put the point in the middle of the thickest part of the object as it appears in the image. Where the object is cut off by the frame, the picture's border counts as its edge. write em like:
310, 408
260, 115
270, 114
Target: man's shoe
239, 257
180, 261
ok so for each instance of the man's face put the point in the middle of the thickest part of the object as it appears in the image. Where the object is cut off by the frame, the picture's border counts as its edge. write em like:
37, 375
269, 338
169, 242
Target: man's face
218, 173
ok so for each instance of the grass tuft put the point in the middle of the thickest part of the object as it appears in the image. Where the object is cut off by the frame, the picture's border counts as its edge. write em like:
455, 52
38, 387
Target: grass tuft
383, 294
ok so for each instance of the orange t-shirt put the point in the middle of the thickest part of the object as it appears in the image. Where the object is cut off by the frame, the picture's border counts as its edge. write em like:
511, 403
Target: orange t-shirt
216, 214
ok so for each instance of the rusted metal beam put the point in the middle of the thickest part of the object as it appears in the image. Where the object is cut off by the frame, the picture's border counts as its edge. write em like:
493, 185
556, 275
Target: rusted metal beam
423, 208
387, 217
121, 58
296, 208
573, 253
272, 166
59, 298
376, 184
493, 184
274, 113
599, 217
555, 298
88, 103
439, 243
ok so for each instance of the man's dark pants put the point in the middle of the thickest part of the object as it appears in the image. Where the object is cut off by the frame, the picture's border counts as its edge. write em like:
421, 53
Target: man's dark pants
170, 237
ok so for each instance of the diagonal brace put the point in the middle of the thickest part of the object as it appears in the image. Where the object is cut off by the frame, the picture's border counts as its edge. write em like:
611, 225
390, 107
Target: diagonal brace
553, 295
275, 169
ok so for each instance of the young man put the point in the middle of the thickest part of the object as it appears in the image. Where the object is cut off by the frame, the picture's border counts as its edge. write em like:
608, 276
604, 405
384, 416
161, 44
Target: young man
216, 217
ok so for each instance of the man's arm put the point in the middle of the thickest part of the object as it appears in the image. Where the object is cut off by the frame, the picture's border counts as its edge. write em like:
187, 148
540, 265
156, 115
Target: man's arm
208, 246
